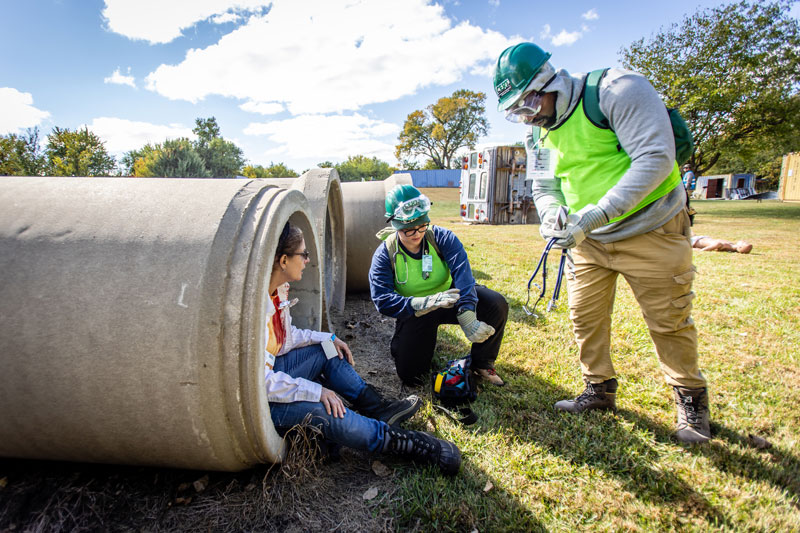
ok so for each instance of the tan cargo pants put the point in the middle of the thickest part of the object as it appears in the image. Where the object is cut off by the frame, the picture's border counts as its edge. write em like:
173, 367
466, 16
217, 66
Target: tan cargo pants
658, 267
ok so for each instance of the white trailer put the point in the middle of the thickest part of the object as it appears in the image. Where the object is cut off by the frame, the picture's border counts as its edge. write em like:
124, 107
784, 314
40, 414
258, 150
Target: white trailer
494, 189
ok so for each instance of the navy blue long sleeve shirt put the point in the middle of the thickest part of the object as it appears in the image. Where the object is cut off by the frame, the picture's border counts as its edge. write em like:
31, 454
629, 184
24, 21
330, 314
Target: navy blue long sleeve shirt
381, 276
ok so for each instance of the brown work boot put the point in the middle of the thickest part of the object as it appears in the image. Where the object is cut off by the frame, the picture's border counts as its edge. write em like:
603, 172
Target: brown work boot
595, 396
693, 418
490, 375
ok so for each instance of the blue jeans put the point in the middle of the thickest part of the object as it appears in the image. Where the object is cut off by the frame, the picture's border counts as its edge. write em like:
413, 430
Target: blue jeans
354, 430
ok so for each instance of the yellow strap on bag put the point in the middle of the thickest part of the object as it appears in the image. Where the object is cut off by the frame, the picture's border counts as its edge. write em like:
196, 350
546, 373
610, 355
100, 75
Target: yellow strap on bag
437, 386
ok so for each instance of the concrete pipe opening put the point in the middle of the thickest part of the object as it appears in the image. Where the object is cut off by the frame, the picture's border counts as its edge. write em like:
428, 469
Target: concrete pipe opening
364, 217
323, 190
132, 318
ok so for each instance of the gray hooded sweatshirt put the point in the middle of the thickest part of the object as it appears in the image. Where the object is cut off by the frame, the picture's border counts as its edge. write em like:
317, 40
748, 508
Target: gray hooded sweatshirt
637, 115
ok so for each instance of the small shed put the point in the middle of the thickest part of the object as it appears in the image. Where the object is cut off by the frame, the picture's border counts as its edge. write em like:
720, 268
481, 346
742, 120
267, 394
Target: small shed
434, 178
789, 189
726, 186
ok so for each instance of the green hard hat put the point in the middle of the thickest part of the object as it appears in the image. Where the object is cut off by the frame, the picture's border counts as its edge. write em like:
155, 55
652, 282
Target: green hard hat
406, 207
515, 69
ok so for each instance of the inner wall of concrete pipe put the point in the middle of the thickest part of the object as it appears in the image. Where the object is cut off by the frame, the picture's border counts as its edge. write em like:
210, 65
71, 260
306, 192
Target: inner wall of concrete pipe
323, 191
364, 216
132, 316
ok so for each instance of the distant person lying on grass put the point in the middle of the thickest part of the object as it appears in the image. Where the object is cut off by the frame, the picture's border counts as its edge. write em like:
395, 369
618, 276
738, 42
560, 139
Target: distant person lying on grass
306, 369
710, 244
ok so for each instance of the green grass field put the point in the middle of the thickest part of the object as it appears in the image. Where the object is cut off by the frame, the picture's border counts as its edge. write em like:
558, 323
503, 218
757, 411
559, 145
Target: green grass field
601, 471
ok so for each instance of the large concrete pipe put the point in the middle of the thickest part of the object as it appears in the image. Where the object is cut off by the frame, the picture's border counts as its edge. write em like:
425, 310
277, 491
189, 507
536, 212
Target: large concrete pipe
364, 216
132, 318
323, 190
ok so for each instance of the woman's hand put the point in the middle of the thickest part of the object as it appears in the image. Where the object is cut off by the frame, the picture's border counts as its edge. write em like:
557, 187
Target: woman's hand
333, 404
343, 350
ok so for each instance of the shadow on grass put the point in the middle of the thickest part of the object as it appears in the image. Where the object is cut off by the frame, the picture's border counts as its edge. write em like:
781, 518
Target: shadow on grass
736, 454
480, 275
595, 439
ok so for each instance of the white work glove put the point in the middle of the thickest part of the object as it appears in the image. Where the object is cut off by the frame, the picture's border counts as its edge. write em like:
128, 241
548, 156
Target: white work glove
549, 217
425, 304
474, 329
579, 226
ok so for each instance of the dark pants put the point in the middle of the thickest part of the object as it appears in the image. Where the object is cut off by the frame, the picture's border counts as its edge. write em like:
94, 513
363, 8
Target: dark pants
415, 337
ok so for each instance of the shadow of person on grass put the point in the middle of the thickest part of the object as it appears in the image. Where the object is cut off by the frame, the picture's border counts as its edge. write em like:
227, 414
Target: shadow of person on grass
739, 455
611, 443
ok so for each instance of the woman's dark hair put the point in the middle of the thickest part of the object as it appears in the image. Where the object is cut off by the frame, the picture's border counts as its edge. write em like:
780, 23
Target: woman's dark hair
289, 241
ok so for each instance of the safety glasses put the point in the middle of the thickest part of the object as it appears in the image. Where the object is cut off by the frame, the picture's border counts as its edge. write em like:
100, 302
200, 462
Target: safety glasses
413, 231
411, 209
304, 253
527, 106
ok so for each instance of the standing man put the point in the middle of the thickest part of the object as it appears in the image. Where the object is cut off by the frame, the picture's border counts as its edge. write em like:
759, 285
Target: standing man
627, 216
421, 276
689, 179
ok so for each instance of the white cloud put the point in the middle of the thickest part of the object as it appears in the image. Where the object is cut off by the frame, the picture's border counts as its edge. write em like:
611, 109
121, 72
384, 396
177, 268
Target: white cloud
263, 108
158, 22
121, 135
323, 56
327, 137
563, 38
121, 79
494, 3
17, 111
591, 14
225, 17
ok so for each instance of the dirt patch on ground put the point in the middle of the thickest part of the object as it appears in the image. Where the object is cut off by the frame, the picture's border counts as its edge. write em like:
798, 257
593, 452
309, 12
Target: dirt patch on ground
304, 494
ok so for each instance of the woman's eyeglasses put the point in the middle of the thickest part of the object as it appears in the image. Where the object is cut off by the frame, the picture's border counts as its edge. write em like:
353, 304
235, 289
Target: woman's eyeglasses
304, 253
413, 231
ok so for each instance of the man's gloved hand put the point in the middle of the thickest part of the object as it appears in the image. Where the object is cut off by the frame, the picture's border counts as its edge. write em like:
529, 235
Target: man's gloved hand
580, 225
547, 227
474, 329
425, 304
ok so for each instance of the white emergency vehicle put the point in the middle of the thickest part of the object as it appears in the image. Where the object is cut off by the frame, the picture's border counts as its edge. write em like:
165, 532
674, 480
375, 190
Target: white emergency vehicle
494, 188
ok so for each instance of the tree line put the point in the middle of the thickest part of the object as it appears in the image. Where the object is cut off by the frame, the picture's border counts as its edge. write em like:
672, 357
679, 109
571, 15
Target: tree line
81, 152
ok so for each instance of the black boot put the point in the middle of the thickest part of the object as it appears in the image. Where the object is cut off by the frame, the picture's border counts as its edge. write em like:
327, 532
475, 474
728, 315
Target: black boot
595, 396
420, 446
693, 419
371, 404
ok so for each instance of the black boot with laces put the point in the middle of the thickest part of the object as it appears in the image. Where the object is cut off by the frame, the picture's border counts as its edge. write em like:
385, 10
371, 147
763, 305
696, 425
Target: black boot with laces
420, 446
693, 418
595, 396
371, 404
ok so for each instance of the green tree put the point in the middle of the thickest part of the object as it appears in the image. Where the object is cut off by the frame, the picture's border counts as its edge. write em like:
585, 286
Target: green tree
77, 153
360, 167
175, 158
451, 123
326, 164
733, 71
222, 158
762, 155
274, 170
21, 155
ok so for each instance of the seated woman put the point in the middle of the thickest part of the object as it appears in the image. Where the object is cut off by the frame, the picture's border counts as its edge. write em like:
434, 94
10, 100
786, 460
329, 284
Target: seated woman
301, 380
421, 276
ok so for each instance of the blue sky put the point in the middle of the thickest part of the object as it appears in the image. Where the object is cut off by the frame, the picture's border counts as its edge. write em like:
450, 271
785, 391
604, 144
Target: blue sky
289, 81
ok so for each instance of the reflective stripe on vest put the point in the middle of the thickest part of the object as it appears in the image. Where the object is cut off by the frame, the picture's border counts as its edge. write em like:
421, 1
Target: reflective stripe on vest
590, 162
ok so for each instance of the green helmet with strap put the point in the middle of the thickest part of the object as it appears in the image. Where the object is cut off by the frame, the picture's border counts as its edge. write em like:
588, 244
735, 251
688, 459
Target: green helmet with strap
406, 207
515, 69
